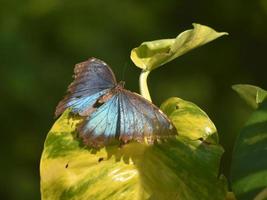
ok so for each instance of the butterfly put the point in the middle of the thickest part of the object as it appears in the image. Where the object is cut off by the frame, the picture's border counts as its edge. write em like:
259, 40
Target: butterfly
110, 111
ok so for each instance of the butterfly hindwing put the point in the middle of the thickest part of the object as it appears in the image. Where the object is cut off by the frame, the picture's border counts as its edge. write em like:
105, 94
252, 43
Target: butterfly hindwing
140, 119
92, 79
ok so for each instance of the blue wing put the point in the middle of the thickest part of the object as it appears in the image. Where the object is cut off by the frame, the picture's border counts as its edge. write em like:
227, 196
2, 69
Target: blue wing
92, 79
126, 116
102, 125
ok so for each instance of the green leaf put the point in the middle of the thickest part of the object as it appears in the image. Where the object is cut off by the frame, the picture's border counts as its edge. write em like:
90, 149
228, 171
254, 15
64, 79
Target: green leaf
183, 169
249, 165
230, 196
253, 95
189, 120
71, 171
153, 54
179, 168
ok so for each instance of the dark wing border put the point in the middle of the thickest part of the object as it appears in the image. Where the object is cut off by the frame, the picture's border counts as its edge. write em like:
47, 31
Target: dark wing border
90, 77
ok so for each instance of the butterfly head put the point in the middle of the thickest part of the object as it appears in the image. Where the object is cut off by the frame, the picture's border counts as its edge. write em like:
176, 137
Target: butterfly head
120, 85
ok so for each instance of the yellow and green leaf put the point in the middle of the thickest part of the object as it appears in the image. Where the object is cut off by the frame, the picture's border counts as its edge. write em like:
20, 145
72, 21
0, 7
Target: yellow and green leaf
178, 168
189, 120
153, 54
253, 95
249, 165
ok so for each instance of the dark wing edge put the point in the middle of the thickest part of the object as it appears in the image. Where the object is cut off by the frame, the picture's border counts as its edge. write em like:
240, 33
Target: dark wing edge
90, 78
147, 123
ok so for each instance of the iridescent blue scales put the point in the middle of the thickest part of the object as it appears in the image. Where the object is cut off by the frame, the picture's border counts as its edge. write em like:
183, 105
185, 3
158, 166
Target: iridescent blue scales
110, 111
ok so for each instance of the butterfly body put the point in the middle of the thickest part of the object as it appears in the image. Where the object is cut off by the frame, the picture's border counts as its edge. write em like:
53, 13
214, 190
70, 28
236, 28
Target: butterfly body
118, 88
110, 111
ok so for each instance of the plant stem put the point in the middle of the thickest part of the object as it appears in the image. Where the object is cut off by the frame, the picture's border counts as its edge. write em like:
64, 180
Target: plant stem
143, 84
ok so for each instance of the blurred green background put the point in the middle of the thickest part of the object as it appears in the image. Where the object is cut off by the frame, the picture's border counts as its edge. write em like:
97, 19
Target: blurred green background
41, 41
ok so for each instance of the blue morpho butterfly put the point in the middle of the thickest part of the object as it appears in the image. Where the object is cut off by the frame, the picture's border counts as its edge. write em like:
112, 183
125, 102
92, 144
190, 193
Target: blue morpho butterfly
110, 111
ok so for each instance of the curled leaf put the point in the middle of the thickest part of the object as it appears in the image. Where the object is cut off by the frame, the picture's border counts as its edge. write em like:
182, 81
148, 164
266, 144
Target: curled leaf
253, 95
153, 54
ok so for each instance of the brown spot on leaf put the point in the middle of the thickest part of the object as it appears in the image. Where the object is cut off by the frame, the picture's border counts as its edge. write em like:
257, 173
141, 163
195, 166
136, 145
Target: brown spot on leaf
204, 141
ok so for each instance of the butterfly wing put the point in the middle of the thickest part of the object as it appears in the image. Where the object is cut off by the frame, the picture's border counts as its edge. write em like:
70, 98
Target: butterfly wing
102, 125
126, 116
141, 120
92, 79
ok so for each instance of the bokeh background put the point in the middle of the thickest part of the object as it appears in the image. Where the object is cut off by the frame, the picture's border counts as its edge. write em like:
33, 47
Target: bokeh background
40, 42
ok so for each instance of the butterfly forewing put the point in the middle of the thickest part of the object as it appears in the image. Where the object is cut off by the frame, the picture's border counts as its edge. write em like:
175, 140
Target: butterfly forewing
102, 125
92, 79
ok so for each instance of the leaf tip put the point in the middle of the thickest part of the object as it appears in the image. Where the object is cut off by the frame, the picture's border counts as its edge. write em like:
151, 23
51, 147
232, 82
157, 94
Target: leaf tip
198, 26
253, 95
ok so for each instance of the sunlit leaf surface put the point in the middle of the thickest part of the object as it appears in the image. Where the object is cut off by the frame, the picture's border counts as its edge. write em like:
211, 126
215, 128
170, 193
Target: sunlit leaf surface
178, 168
189, 120
152, 54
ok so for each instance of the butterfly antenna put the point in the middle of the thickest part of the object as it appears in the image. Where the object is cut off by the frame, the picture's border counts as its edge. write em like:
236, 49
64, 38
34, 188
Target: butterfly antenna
125, 66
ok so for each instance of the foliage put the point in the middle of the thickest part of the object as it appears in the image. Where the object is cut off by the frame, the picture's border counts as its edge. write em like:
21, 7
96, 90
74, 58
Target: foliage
136, 171
249, 165
184, 167
150, 55
190, 121
42, 40
253, 95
